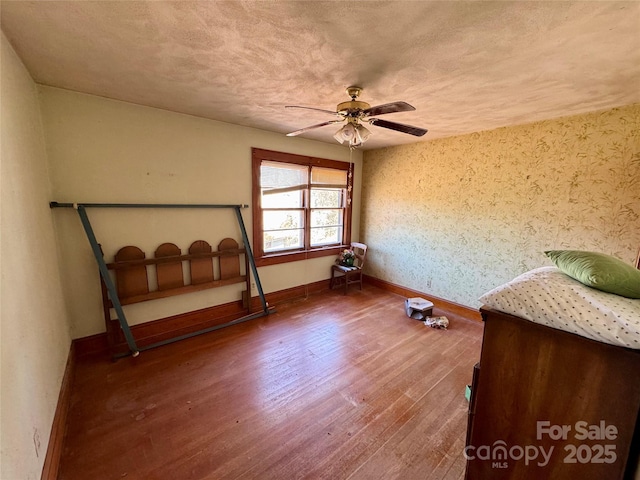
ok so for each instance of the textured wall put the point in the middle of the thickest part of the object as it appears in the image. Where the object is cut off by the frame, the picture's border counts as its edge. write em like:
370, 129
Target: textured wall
467, 213
34, 328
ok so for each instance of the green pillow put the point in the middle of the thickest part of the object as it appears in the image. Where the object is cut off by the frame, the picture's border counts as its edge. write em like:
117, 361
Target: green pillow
598, 270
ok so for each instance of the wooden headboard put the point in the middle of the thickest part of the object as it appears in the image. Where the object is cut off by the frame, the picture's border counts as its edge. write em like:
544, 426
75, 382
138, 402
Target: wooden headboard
134, 285
131, 264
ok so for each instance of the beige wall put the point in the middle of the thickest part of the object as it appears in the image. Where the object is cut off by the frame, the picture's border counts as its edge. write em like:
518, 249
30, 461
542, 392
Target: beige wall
34, 328
108, 151
468, 213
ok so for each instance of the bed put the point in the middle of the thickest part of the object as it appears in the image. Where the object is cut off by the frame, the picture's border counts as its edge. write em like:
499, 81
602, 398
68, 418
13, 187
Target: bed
556, 394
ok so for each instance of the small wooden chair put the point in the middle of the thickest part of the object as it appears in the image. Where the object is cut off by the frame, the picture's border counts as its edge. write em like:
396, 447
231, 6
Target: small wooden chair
350, 275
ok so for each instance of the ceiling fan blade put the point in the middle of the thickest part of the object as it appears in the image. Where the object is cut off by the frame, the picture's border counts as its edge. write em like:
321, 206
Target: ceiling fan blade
398, 127
312, 108
388, 108
312, 127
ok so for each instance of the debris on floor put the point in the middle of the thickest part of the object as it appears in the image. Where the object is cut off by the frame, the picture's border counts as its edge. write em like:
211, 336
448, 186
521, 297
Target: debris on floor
418, 308
437, 322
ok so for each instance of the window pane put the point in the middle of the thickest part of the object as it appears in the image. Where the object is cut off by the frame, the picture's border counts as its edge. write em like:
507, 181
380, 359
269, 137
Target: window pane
282, 185
274, 199
299, 202
326, 218
282, 240
282, 219
325, 235
326, 197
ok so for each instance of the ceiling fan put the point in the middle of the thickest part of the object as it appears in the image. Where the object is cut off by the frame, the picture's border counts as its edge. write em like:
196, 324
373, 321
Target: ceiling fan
356, 111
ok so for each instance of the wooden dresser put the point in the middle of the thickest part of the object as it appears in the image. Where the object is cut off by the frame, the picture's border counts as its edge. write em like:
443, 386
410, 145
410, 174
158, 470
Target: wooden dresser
547, 404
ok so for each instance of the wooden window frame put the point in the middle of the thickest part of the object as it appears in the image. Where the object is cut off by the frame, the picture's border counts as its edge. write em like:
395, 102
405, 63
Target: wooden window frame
259, 155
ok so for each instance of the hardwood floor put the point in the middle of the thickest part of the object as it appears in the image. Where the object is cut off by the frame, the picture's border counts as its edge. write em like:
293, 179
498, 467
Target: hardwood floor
331, 387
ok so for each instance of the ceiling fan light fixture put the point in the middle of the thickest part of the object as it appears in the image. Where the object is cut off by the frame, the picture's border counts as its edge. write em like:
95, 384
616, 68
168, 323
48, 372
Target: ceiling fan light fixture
352, 133
355, 111
346, 134
362, 133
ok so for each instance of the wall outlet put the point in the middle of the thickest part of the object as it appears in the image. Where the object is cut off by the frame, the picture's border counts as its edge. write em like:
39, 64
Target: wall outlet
428, 283
253, 286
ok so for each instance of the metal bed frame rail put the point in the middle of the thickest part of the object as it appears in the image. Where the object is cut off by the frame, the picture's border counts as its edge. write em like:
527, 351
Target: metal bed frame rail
135, 350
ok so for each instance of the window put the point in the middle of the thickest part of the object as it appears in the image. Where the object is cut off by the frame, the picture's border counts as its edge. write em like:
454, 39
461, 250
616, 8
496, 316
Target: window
301, 206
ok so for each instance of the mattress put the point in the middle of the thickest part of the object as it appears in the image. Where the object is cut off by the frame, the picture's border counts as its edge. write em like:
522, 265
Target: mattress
549, 297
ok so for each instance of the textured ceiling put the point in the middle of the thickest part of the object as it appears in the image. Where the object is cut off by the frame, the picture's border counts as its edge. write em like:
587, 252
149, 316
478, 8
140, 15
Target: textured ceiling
465, 66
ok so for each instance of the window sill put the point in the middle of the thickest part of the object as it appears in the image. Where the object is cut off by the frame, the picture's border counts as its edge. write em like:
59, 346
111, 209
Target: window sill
277, 258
